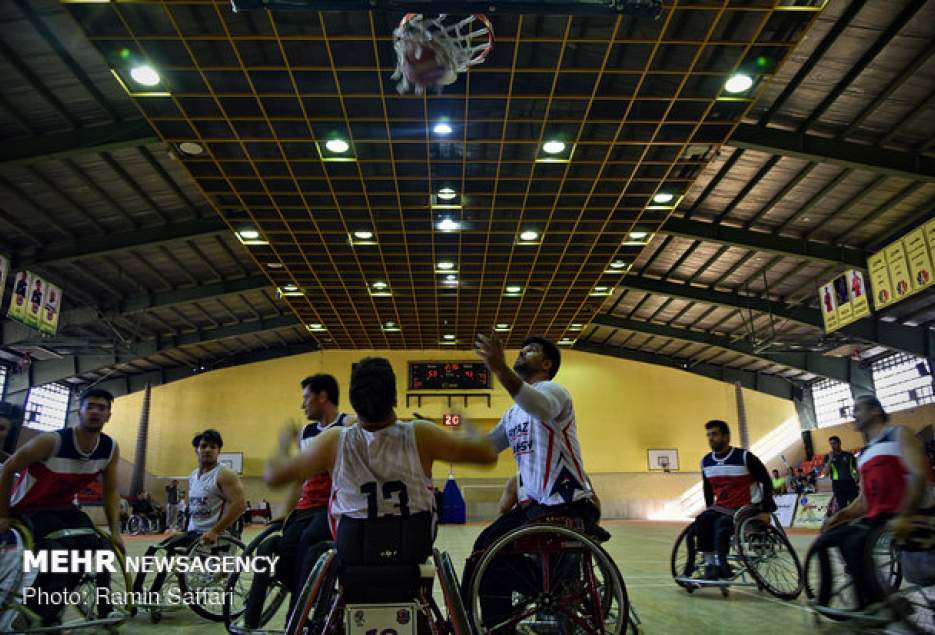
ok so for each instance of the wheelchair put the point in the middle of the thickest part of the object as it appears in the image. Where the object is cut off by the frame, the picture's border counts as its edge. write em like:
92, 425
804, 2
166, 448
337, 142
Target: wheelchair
560, 580
241, 586
85, 606
352, 595
909, 599
138, 524
761, 555
207, 588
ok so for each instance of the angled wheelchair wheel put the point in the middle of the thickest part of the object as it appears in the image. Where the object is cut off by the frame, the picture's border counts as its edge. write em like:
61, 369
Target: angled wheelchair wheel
546, 578
829, 586
687, 561
883, 557
251, 599
315, 611
770, 558
207, 588
451, 593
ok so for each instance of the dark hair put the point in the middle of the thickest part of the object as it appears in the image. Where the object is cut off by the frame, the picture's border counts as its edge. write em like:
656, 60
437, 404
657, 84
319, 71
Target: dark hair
373, 389
209, 436
98, 393
873, 402
834, 437
549, 349
720, 425
9, 411
323, 382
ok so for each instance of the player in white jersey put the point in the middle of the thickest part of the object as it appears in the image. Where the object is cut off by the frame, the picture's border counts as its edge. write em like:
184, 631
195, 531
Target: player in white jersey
215, 501
381, 467
540, 429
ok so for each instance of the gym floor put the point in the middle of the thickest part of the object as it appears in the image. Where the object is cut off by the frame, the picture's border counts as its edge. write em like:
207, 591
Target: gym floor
641, 550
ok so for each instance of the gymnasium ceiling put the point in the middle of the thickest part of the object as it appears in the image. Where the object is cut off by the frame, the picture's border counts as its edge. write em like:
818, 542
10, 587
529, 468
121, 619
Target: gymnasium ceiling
777, 189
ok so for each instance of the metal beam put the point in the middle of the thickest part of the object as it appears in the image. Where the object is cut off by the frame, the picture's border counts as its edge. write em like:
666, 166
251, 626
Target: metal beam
90, 246
905, 165
52, 370
916, 341
61, 145
765, 242
162, 299
761, 382
836, 368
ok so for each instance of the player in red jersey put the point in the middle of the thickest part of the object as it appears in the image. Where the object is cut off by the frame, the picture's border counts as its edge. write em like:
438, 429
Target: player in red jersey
894, 486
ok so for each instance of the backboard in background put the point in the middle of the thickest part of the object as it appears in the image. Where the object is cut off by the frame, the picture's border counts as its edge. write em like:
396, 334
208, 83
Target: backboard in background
232, 460
663, 460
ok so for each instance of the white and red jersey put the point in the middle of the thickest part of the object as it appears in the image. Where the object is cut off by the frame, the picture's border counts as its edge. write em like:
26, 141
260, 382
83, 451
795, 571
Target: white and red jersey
884, 475
541, 430
729, 479
317, 489
54, 482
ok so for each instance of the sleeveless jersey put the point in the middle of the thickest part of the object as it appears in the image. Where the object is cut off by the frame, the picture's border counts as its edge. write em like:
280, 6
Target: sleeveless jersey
379, 473
547, 452
56, 481
883, 474
317, 490
205, 500
731, 482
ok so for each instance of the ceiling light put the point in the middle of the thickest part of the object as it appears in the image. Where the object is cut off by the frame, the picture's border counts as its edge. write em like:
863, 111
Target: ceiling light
553, 147
315, 327
446, 194
442, 127
663, 197
338, 146
576, 326
274, 265
248, 233
738, 83
451, 278
638, 235
391, 327
448, 336
379, 285
448, 225
191, 148
513, 289
528, 235
600, 289
290, 287
566, 341
145, 75
618, 264
502, 326
363, 235
445, 265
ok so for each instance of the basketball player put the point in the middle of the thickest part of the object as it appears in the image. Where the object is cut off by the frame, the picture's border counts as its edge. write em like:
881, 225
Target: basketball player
52, 468
215, 501
381, 466
540, 428
732, 478
894, 486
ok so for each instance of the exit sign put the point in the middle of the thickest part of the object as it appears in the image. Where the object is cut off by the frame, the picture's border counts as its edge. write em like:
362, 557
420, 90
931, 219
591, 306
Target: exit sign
452, 420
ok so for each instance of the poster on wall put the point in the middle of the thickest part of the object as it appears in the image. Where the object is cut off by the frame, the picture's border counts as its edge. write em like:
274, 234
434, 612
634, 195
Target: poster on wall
829, 308
4, 272
785, 508
919, 258
51, 304
811, 510
37, 287
899, 270
858, 293
842, 298
19, 300
880, 280
929, 230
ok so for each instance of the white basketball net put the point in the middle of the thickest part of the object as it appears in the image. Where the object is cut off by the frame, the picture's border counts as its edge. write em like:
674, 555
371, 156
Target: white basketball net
457, 47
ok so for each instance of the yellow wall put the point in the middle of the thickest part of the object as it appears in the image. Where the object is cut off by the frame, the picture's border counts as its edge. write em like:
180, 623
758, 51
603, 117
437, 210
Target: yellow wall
623, 408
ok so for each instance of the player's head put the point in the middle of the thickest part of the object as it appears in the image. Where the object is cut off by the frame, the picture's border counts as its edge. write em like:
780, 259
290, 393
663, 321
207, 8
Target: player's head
207, 446
373, 390
868, 411
175, 482
718, 434
319, 394
835, 443
94, 408
539, 358
775, 473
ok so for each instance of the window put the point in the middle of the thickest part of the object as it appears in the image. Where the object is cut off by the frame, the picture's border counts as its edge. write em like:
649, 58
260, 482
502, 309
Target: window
902, 381
833, 402
47, 406
3, 374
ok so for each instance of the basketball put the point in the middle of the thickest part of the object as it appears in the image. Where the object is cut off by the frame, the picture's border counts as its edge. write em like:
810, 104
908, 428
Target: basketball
424, 66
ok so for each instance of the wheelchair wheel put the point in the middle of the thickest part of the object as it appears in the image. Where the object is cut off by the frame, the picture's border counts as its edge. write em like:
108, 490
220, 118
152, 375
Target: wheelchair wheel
451, 592
883, 557
546, 577
828, 585
135, 525
241, 591
314, 612
209, 587
687, 561
769, 557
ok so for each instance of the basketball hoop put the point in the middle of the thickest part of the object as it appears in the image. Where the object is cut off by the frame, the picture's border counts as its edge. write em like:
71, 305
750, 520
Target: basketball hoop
430, 52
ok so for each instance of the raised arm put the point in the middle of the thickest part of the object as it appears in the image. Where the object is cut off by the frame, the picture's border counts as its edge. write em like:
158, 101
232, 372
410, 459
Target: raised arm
436, 444
318, 457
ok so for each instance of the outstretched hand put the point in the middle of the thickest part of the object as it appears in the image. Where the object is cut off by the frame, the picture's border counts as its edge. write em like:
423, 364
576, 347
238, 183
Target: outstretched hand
490, 349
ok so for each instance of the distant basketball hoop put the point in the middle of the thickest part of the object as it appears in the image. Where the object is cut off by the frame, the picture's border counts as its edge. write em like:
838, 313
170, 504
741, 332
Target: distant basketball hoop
664, 463
662, 460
